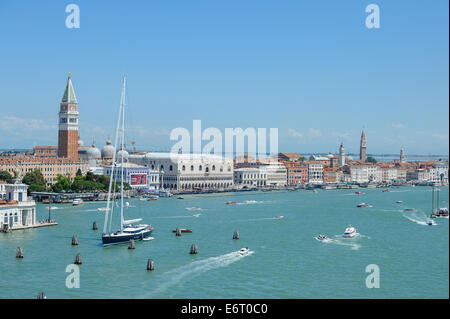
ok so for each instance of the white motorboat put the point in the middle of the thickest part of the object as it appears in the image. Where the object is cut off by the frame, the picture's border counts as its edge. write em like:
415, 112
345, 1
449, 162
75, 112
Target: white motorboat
399, 202
278, 217
77, 201
243, 251
349, 232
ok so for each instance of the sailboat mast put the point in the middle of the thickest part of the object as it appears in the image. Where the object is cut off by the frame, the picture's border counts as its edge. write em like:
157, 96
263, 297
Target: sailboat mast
109, 205
123, 150
432, 201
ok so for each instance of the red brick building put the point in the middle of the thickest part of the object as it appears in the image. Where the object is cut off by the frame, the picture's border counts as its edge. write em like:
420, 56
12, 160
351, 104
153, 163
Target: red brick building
297, 173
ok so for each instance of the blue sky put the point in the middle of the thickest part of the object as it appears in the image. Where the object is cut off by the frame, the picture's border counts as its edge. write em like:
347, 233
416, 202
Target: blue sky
309, 68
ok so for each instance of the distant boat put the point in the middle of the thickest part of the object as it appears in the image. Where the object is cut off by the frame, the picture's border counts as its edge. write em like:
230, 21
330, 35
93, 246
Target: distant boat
410, 209
183, 230
232, 203
362, 205
322, 237
278, 217
243, 251
349, 232
179, 197
385, 190
359, 193
440, 212
77, 201
399, 202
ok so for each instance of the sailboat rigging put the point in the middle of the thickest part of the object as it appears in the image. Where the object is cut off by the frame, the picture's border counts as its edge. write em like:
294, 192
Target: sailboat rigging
128, 230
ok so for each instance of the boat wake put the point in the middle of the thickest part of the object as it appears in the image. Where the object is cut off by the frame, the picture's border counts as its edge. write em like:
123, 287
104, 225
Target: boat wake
185, 273
193, 208
258, 219
419, 218
184, 216
339, 240
251, 202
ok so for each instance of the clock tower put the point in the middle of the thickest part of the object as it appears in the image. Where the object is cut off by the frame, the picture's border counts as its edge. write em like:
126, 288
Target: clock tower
68, 124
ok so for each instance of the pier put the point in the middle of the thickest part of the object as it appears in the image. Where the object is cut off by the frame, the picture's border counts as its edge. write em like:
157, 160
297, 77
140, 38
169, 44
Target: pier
37, 225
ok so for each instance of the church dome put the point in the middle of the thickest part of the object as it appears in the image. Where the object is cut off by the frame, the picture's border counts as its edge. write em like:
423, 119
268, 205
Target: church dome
108, 150
93, 153
119, 156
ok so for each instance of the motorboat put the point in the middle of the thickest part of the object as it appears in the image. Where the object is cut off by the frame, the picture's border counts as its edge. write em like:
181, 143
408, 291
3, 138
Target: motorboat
152, 198
321, 237
232, 203
183, 230
399, 202
179, 197
278, 217
385, 190
362, 205
77, 201
243, 251
410, 209
349, 232
430, 223
359, 193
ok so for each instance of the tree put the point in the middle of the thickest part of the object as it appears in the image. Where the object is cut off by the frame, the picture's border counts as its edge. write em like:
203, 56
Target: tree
79, 173
371, 159
35, 180
5, 176
62, 184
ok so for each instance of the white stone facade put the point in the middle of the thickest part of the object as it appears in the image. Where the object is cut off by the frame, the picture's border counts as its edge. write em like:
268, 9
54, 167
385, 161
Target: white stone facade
16, 210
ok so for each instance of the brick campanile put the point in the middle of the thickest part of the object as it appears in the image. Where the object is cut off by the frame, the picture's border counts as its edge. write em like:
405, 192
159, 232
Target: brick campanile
363, 147
68, 124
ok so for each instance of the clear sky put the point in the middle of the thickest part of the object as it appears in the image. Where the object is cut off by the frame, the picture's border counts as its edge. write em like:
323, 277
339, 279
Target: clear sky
311, 68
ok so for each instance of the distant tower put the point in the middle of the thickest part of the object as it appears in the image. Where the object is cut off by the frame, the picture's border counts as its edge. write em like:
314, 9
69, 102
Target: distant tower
68, 124
342, 155
402, 155
363, 147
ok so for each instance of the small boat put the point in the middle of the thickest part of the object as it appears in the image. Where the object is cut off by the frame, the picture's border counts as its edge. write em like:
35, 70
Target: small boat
102, 209
359, 193
362, 205
151, 199
385, 190
278, 217
180, 197
232, 203
183, 230
430, 223
314, 190
196, 215
243, 251
399, 202
349, 232
321, 237
77, 201
410, 209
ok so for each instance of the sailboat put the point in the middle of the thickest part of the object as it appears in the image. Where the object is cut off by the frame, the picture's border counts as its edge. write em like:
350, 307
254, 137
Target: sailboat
440, 212
129, 229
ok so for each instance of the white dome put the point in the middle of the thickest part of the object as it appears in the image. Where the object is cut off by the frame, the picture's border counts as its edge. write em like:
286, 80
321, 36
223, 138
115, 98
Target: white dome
108, 150
93, 153
119, 156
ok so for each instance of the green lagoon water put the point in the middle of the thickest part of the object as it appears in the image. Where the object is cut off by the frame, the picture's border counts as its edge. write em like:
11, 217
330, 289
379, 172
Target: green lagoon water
286, 261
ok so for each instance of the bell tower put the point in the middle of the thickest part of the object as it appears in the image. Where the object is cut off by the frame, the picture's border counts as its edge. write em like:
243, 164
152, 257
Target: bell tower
68, 124
363, 147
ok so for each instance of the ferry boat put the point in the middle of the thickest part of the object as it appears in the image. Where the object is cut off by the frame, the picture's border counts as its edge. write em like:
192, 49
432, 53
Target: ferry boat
349, 232
128, 229
362, 205
77, 201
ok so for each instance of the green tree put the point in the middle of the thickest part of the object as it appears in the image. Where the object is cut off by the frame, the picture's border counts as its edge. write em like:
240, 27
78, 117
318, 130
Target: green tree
62, 184
35, 180
6, 176
79, 173
371, 159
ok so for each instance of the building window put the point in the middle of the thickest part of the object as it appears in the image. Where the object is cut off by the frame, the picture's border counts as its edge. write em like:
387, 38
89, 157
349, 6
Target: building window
214, 167
170, 168
184, 167
200, 168
192, 167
